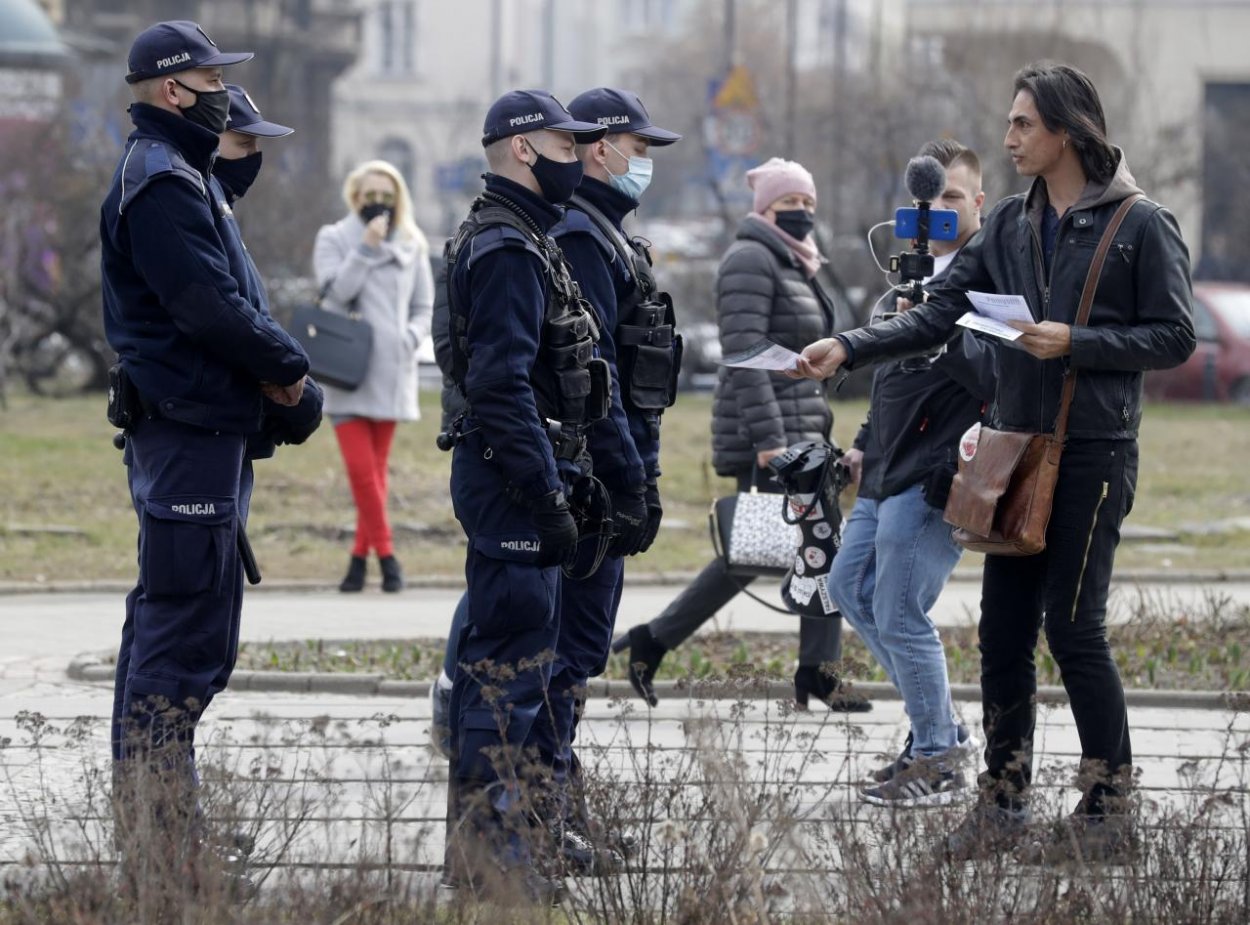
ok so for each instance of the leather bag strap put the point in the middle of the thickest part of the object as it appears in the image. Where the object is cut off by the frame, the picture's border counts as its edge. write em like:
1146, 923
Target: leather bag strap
1087, 304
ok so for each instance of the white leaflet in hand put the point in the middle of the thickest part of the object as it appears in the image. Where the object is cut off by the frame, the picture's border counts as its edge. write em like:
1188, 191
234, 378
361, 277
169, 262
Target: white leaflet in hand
1001, 307
764, 355
988, 326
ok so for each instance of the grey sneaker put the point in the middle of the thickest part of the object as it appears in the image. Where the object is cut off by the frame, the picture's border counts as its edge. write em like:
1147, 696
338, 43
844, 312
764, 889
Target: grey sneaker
920, 782
966, 743
1080, 838
440, 725
987, 830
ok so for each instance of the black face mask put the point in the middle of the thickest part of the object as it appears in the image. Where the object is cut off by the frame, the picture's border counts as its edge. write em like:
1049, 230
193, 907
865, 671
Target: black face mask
558, 181
797, 223
211, 108
237, 174
371, 210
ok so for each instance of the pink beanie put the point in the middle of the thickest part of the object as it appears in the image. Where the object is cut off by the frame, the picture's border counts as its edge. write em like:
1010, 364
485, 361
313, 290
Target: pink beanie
778, 177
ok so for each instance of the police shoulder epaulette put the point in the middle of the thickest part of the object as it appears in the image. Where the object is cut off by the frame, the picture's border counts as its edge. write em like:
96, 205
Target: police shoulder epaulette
497, 237
148, 160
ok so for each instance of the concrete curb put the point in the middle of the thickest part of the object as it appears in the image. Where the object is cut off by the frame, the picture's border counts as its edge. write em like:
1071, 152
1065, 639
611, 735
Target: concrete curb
642, 579
93, 669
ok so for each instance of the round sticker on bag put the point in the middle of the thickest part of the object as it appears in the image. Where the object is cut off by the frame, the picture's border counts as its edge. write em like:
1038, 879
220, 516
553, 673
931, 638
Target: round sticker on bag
968, 442
815, 557
822, 531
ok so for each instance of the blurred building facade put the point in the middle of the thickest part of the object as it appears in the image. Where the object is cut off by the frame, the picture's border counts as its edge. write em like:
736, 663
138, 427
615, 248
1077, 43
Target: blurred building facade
428, 71
31, 57
1174, 76
301, 47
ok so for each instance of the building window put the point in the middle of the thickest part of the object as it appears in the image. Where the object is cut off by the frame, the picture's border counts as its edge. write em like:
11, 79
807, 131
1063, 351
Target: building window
397, 37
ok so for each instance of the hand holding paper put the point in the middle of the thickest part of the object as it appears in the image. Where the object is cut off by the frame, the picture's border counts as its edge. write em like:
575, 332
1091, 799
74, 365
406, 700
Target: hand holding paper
993, 312
764, 355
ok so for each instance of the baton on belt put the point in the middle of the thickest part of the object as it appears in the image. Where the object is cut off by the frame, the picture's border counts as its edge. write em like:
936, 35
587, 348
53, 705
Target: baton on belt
250, 567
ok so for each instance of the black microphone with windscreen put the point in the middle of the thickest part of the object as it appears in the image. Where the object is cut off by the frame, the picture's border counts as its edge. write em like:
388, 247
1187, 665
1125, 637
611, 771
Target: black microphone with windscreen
925, 180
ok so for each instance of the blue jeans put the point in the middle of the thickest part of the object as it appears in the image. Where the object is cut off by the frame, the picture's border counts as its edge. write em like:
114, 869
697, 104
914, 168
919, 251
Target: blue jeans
895, 559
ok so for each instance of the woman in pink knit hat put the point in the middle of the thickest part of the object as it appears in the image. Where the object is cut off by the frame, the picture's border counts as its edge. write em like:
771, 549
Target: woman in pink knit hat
766, 287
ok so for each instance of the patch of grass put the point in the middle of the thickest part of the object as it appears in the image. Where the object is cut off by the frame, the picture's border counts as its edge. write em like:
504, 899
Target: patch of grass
1155, 648
58, 467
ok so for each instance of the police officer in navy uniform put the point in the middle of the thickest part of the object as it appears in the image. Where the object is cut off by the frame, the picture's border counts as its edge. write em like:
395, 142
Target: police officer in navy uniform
198, 360
523, 357
638, 342
235, 170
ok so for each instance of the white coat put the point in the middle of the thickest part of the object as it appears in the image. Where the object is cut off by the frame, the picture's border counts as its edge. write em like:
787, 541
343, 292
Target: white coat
391, 287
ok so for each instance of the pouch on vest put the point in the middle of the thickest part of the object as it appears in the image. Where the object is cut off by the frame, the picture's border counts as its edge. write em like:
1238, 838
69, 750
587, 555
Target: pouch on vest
650, 366
599, 401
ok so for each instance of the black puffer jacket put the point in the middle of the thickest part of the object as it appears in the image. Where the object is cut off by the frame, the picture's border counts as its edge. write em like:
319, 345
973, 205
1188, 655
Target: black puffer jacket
763, 292
1142, 316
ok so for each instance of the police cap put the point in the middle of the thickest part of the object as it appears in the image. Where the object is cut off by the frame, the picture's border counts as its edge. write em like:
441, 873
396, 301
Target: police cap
621, 112
177, 45
521, 111
245, 116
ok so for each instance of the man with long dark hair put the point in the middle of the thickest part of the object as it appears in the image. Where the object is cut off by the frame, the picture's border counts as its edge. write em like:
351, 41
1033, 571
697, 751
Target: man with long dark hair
1040, 245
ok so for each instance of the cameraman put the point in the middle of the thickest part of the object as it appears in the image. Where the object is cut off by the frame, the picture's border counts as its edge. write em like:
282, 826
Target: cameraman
897, 552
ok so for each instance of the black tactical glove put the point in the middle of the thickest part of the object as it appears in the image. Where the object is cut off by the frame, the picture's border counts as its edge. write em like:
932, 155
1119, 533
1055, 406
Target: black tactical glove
629, 520
557, 531
655, 513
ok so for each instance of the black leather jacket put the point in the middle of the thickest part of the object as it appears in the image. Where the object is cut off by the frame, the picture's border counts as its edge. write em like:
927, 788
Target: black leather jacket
1142, 315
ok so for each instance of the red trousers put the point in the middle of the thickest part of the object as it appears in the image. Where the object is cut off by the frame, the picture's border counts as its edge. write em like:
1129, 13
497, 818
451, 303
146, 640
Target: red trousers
366, 447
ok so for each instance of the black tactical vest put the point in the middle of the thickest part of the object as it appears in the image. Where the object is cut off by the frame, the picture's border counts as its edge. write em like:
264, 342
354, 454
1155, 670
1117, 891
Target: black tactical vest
648, 349
571, 385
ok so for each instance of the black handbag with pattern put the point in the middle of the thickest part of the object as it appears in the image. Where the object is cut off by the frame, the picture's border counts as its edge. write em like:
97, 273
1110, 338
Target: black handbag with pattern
749, 531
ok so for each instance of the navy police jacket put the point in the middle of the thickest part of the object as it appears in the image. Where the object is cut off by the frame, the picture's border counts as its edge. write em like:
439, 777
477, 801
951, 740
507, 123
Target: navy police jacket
175, 308
279, 423
498, 276
616, 441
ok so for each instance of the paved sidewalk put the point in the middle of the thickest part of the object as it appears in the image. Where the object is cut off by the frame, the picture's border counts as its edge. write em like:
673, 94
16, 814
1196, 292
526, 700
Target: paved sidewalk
60, 625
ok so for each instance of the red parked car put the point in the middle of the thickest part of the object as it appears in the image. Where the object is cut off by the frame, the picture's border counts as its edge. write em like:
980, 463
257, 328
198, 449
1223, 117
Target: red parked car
1219, 369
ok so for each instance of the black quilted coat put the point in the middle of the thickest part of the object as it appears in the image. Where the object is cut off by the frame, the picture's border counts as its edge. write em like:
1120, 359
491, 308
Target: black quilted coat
763, 292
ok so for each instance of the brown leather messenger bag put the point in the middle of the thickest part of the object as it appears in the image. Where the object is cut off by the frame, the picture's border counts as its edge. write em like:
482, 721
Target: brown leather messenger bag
1001, 497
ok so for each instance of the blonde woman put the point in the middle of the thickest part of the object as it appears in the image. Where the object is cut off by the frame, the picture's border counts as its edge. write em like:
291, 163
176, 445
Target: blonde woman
375, 262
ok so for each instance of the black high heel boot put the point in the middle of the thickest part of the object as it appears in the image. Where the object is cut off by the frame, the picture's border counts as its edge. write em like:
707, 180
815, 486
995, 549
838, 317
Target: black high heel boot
812, 680
392, 574
645, 655
354, 580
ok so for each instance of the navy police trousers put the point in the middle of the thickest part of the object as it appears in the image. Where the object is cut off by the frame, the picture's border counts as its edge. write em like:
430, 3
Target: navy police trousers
587, 617
190, 488
505, 648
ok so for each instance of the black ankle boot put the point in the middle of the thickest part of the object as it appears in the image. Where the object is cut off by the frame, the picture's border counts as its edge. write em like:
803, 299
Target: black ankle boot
392, 574
811, 680
354, 580
645, 655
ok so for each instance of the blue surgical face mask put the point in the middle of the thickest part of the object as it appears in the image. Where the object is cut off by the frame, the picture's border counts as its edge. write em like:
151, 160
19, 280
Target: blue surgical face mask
636, 178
